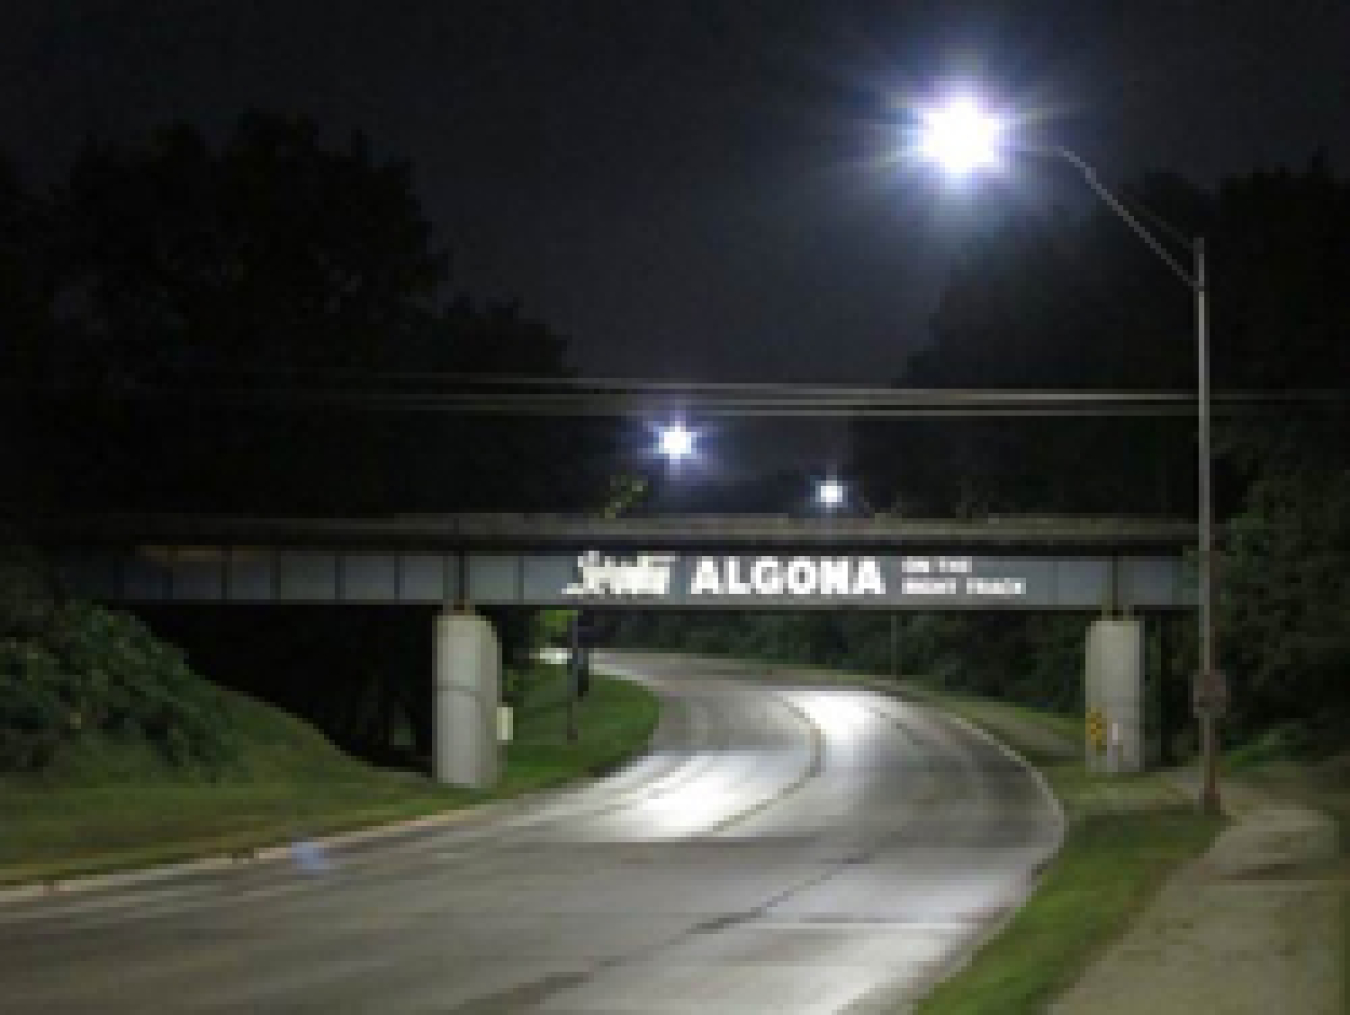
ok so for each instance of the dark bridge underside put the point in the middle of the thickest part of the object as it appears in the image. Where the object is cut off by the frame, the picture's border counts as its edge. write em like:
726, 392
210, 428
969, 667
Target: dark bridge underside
730, 533
741, 562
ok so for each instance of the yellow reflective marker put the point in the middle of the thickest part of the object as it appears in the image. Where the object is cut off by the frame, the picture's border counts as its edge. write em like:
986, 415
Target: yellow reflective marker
1096, 729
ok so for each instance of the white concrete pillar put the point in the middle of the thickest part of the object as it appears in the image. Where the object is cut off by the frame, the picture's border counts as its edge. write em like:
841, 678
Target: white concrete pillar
1114, 696
468, 661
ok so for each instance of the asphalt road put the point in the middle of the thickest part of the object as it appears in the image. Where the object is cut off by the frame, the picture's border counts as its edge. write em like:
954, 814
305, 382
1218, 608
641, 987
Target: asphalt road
785, 847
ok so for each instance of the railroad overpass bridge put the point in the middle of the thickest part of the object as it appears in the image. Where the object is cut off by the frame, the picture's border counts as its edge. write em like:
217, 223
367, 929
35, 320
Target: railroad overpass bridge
1098, 565
723, 562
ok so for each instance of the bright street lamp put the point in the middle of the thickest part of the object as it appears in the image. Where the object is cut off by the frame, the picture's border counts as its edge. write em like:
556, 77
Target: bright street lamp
830, 493
834, 493
960, 137
676, 442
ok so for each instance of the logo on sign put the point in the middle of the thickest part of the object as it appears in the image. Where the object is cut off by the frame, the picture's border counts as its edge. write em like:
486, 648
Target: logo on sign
646, 575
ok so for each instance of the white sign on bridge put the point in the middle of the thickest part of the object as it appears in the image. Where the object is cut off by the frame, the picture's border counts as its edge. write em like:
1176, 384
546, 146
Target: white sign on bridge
657, 578
856, 577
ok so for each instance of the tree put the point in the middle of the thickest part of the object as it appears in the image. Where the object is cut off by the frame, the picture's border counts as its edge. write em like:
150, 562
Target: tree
1078, 304
26, 283
27, 332
1284, 600
1049, 302
208, 294
1281, 251
274, 254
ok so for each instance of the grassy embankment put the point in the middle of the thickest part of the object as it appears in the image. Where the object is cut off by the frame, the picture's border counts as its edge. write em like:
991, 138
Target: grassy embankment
114, 805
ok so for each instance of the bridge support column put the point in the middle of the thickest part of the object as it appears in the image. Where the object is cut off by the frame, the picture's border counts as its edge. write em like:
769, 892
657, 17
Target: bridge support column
468, 666
1115, 696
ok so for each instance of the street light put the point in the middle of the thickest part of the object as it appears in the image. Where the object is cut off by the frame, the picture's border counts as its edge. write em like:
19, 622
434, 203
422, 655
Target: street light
961, 136
676, 442
830, 493
833, 493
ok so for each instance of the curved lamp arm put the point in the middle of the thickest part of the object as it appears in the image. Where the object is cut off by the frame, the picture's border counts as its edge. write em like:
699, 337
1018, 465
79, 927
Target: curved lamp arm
1125, 214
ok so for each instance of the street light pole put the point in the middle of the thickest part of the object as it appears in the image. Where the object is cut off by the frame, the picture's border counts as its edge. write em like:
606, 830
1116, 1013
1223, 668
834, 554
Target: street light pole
964, 138
1209, 794
1197, 279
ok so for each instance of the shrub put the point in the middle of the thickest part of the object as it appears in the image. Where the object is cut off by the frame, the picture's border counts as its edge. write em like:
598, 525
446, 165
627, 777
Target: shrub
93, 670
34, 715
27, 592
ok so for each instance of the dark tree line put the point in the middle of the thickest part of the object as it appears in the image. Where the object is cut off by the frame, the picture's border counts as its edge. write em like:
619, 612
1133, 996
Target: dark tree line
174, 306
169, 312
1073, 303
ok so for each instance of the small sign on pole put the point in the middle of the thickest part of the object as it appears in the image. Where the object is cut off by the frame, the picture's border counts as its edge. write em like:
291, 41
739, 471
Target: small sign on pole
1209, 695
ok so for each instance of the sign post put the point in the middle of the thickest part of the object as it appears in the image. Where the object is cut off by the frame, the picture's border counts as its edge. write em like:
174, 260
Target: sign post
1209, 698
573, 677
1209, 695
895, 648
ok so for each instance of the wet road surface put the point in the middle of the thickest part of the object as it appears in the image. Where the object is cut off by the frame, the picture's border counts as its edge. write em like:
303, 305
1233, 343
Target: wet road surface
784, 847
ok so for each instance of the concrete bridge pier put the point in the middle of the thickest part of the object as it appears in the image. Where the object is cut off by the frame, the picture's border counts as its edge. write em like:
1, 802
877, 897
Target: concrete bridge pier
1115, 696
468, 668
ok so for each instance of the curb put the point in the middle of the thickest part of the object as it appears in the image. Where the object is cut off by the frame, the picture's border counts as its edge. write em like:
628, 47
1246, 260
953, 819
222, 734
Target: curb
73, 884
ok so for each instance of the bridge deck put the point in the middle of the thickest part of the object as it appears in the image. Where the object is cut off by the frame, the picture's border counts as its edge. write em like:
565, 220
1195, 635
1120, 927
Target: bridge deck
1012, 534
741, 562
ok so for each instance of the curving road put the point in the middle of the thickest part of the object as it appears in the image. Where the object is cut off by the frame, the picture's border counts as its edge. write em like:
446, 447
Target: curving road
784, 847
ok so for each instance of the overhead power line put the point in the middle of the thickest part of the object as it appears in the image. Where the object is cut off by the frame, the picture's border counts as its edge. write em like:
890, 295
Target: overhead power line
580, 396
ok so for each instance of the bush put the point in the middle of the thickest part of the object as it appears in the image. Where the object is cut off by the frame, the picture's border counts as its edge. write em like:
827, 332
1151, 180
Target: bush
27, 591
33, 713
95, 671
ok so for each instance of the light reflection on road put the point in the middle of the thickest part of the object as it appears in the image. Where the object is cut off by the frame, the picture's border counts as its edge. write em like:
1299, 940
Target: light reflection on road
783, 848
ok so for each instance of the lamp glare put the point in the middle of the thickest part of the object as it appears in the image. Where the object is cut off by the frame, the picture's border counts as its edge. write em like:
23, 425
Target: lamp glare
677, 442
961, 136
831, 493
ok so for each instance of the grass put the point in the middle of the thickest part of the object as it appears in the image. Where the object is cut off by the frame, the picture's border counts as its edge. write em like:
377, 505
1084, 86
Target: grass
614, 720
114, 808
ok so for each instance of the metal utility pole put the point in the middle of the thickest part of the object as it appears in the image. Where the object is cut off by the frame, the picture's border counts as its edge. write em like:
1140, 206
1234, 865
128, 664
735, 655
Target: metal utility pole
1210, 700
1210, 693
573, 677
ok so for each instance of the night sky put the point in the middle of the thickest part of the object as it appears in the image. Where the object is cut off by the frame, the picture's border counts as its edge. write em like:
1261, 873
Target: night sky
697, 189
